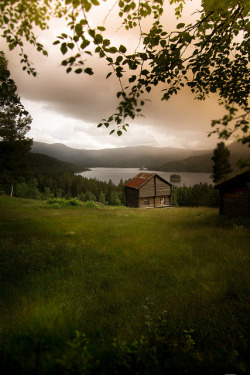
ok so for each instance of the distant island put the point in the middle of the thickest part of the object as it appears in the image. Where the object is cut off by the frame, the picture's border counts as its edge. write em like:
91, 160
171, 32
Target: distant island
175, 178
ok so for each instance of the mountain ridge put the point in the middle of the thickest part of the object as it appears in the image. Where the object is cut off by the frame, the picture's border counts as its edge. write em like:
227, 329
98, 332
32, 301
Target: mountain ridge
139, 156
154, 158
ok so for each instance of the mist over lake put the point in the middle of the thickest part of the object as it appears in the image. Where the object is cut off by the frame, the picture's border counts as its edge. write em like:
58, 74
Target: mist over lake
115, 175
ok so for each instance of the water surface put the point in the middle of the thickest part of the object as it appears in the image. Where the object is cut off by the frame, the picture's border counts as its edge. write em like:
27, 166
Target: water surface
116, 174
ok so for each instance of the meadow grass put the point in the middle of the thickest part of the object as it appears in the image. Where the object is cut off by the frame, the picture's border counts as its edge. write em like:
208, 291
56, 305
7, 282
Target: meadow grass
104, 272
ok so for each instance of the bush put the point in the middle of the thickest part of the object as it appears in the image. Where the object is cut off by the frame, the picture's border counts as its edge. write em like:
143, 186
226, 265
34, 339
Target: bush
60, 202
27, 189
91, 204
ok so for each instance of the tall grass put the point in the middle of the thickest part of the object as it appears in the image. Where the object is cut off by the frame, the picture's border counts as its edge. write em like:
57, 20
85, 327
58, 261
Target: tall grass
91, 270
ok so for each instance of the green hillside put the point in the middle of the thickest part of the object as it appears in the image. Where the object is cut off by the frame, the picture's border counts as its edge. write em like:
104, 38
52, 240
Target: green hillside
40, 163
83, 292
203, 162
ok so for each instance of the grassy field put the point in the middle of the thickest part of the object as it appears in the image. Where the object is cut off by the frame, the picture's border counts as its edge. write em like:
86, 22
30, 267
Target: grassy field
81, 287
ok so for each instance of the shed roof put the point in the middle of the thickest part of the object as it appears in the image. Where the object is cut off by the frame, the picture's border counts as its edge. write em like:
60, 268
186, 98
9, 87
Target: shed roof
140, 179
236, 180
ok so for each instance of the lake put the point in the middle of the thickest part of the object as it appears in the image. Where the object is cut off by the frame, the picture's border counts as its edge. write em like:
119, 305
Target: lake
115, 175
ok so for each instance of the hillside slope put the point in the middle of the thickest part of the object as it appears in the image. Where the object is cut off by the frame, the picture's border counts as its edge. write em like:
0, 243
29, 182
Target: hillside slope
203, 163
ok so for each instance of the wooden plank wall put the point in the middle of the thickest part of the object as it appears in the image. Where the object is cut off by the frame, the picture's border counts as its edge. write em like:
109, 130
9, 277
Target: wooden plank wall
150, 205
148, 190
158, 201
236, 201
132, 197
162, 188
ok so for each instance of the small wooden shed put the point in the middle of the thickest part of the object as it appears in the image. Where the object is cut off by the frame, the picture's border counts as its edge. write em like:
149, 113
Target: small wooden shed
234, 195
148, 190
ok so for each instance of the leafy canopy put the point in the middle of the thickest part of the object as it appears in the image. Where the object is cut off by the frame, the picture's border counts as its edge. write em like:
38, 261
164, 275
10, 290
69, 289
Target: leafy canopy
209, 55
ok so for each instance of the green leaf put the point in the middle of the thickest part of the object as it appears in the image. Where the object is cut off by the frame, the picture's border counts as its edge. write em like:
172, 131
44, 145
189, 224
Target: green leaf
71, 45
98, 39
78, 71
112, 50
119, 133
78, 29
180, 25
132, 79
101, 28
84, 43
87, 5
56, 42
95, 2
122, 49
112, 131
64, 48
88, 71
118, 60
108, 75
106, 42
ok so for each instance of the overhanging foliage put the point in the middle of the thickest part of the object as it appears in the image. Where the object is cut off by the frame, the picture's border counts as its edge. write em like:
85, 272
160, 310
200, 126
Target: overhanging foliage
209, 55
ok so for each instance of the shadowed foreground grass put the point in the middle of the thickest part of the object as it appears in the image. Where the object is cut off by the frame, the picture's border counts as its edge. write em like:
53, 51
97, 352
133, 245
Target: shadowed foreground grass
106, 290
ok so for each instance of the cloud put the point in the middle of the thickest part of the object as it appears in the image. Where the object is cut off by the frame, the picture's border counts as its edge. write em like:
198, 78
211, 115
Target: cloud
66, 108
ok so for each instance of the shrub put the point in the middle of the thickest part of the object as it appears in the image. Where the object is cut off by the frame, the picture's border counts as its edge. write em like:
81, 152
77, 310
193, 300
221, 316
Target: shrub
60, 202
28, 189
91, 204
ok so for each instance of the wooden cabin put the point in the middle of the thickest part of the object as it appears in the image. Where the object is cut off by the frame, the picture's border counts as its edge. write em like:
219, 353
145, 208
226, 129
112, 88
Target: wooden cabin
148, 190
234, 195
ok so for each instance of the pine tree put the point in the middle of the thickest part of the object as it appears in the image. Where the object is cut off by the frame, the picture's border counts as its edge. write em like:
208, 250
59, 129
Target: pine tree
221, 167
14, 124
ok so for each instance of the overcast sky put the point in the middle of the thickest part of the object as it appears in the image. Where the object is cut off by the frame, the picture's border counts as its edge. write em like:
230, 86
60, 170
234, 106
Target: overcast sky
66, 108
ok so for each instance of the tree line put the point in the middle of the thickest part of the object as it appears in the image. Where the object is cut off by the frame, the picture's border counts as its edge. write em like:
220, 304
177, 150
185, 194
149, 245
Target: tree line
47, 178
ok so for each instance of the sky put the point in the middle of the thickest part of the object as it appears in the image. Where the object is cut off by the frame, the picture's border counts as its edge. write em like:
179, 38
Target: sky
66, 108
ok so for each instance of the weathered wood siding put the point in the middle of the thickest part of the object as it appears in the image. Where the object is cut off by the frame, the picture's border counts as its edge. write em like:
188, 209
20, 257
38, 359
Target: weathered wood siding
151, 203
162, 188
167, 202
235, 201
132, 197
148, 190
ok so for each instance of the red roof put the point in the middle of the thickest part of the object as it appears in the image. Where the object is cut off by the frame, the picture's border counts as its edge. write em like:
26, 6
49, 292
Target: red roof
139, 180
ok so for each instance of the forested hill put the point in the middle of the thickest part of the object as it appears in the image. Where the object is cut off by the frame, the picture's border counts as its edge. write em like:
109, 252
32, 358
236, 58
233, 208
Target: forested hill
203, 163
49, 177
41, 163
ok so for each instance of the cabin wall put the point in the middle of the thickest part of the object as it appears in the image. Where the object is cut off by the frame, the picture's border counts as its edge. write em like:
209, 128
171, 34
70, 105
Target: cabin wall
163, 201
162, 188
132, 197
148, 190
235, 201
147, 202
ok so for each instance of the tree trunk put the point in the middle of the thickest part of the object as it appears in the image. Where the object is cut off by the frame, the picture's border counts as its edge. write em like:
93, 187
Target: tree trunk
11, 190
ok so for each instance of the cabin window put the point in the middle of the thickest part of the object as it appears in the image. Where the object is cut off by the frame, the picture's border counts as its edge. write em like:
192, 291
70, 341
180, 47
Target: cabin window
146, 201
164, 201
